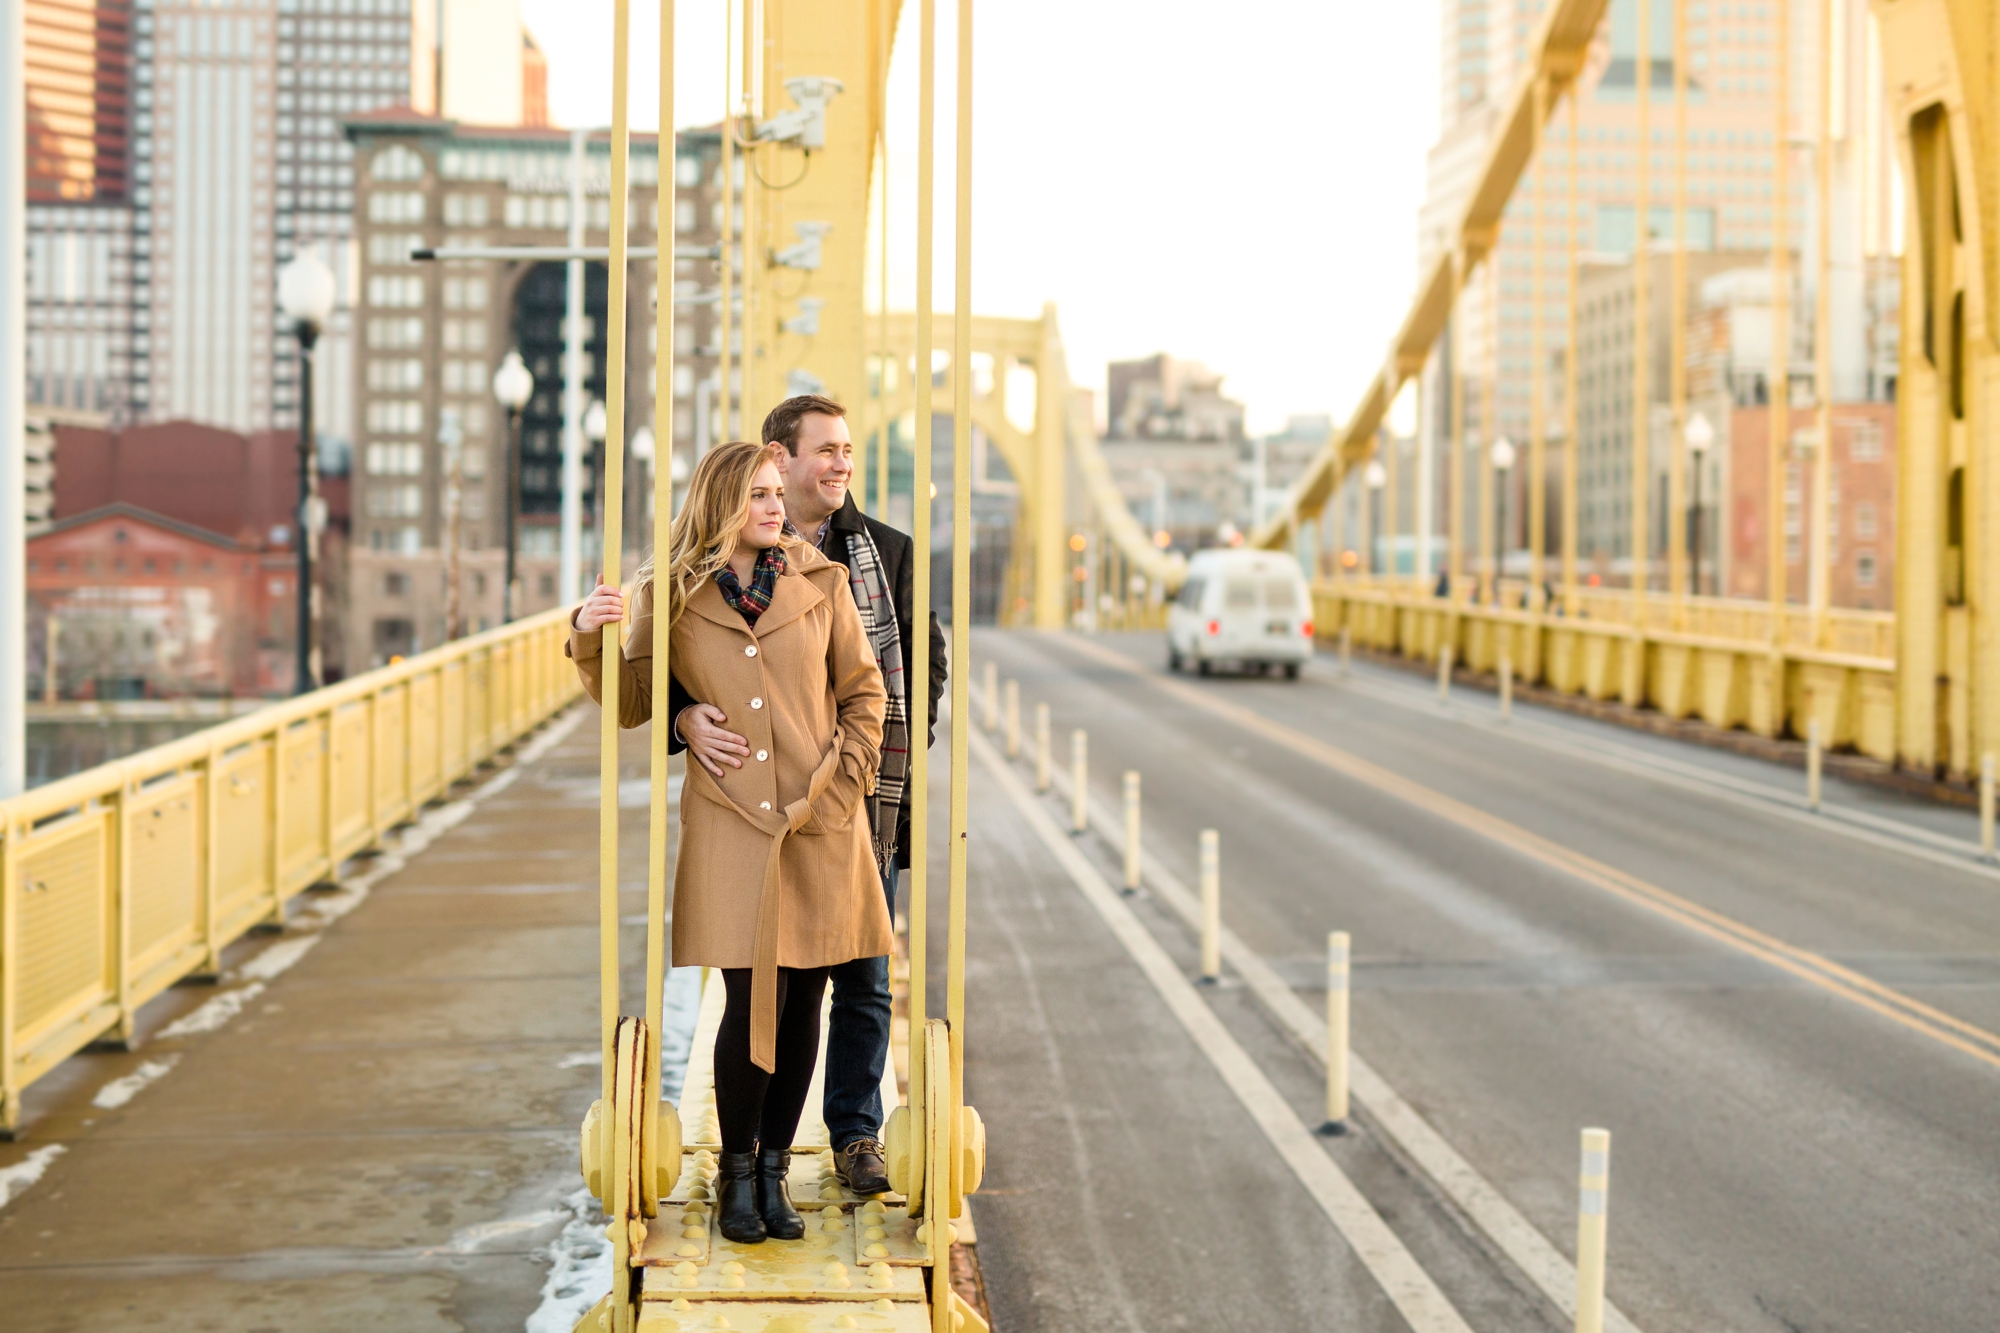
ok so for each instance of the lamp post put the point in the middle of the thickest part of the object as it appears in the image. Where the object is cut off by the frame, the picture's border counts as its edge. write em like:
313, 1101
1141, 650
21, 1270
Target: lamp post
593, 430
513, 386
1698, 435
1374, 477
643, 450
1502, 454
305, 295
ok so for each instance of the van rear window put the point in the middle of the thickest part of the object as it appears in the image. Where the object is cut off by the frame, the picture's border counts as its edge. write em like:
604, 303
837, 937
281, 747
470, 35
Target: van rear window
1281, 594
1239, 595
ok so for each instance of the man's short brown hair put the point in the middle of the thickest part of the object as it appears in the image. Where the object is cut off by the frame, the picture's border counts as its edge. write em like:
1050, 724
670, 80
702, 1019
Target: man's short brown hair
782, 426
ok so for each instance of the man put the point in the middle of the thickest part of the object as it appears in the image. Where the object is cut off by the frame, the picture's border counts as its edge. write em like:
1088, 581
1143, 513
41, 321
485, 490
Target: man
818, 462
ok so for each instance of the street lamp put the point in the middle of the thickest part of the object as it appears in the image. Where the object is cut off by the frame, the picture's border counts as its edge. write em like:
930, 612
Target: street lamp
1502, 454
513, 386
594, 426
1374, 477
306, 292
1698, 435
642, 449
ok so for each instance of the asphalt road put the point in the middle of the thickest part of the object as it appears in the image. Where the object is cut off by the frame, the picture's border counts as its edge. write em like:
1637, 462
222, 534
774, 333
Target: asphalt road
1784, 1019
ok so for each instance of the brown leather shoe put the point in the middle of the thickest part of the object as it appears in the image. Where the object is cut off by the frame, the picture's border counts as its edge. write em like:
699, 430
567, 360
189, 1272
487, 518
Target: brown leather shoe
859, 1166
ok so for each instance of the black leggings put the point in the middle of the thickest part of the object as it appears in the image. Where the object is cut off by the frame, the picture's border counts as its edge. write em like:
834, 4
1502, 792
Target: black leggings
756, 1109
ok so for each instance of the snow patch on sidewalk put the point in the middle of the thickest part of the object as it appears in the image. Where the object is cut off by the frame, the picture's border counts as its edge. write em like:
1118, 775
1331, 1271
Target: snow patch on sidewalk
121, 1090
579, 1268
213, 1014
18, 1177
277, 958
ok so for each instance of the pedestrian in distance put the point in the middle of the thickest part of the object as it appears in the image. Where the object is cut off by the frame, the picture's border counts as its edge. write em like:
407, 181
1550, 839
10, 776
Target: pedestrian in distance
775, 883
817, 455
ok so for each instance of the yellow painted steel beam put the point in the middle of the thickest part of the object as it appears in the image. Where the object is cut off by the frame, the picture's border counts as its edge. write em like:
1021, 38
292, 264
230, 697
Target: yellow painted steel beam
1558, 47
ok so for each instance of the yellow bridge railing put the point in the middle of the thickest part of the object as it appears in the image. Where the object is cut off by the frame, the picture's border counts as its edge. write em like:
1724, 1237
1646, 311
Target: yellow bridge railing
119, 881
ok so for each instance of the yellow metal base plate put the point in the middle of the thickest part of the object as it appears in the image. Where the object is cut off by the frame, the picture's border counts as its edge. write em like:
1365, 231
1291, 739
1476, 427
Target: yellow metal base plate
878, 1316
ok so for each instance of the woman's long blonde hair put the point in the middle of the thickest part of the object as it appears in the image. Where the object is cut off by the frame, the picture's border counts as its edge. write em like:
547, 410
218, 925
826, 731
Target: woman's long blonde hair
704, 532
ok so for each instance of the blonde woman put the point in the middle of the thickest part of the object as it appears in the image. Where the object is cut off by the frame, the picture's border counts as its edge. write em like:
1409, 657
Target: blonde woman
776, 881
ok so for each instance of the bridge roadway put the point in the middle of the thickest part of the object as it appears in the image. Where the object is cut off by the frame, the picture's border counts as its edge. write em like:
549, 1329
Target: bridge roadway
382, 1136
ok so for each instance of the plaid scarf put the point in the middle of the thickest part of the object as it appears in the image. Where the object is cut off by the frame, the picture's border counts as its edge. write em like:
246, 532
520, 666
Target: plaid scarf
869, 582
753, 601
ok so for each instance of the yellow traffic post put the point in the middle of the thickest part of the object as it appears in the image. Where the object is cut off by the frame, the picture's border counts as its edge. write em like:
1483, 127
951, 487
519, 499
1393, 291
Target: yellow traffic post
1337, 965
1986, 805
1812, 763
1506, 687
1346, 650
1012, 711
1041, 747
1079, 778
1593, 1189
989, 695
1444, 674
1131, 830
1211, 908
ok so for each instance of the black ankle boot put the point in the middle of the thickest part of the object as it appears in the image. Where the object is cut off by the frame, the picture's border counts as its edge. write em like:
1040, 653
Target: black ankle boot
781, 1220
736, 1213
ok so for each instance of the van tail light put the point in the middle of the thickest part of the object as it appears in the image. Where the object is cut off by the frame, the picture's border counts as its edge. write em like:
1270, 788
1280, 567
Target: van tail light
1214, 628
1307, 629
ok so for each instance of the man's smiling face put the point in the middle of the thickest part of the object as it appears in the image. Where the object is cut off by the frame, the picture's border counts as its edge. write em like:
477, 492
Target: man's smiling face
817, 473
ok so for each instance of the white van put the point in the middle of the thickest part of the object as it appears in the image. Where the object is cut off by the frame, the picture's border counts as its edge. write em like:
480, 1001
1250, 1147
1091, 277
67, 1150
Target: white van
1248, 608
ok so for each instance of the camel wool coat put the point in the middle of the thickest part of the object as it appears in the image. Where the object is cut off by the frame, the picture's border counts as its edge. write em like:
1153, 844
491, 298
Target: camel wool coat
775, 867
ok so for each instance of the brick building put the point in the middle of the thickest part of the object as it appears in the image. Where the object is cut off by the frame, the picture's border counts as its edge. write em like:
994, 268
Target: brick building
1862, 490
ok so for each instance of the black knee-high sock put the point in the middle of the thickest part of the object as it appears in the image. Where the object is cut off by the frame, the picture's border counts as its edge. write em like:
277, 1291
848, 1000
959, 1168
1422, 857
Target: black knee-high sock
751, 1106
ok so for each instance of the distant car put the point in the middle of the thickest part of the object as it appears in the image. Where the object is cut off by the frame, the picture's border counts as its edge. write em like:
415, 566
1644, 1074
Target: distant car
1249, 609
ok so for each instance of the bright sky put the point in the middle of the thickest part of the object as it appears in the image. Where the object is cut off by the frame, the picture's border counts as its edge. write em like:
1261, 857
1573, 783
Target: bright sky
1233, 184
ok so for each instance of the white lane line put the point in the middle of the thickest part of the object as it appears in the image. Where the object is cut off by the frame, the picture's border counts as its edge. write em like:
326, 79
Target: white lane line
1403, 1280
1461, 1182
1893, 835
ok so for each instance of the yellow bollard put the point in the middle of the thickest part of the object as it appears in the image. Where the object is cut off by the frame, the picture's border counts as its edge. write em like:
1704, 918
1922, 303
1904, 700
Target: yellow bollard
1336, 1033
1079, 781
1594, 1187
1132, 830
992, 697
1211, 908
1041, 747
1506, 687
1986, 805
1812, 764
1346, 649
1444, 674
1013, 714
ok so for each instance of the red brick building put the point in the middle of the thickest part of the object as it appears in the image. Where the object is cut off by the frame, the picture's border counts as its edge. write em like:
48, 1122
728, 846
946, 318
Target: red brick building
1862, 534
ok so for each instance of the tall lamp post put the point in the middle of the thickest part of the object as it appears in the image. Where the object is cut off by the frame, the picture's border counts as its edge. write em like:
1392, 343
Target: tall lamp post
1698, 435
642, 449
1375, 476
513, 386
1502, 455
594, 427
305, 295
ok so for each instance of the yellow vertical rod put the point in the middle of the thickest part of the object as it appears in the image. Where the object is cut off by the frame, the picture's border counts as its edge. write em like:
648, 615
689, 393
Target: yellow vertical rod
1390, 482
1455, 432
882, 273
961, 553
1572, 228
613, 544
1642, 338
1538, 460
920, 527
1779, 394
659, 829
1489, 573
1822, 476
748, 398
723, 247
1677, 563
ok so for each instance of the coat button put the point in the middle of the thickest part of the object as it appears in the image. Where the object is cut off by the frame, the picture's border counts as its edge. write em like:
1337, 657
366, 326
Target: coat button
756, 703
750, 650
762, 755
763, 805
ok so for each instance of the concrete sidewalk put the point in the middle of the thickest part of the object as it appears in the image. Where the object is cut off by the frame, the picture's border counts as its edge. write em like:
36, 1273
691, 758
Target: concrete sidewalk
371, 1122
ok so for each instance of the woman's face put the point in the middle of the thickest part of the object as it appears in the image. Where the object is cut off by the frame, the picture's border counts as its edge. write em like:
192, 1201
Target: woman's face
766, 520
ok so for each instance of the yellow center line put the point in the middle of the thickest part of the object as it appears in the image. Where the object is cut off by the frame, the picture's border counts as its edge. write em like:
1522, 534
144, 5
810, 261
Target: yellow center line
1818, 969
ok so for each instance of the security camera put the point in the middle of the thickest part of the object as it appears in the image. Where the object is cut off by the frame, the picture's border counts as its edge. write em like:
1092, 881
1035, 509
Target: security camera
805, 127
805, 254
806, 324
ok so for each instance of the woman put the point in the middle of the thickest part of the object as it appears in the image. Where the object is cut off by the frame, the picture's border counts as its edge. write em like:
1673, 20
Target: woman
775, 881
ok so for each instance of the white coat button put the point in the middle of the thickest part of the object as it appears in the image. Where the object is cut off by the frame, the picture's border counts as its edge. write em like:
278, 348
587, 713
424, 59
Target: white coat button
763, 805
756, 703
762, 755
750, 650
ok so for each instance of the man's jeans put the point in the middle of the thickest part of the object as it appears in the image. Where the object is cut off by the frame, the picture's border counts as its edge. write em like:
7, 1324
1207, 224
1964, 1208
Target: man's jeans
857, 1044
